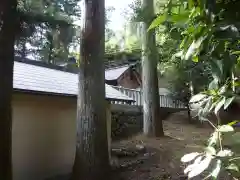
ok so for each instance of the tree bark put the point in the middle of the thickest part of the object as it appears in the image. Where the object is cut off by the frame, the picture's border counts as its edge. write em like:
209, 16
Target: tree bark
151, 107
50, 54
91, 161
189, 113
7, 38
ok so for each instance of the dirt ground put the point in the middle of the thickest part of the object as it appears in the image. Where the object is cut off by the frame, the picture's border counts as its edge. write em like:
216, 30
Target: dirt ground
162, 157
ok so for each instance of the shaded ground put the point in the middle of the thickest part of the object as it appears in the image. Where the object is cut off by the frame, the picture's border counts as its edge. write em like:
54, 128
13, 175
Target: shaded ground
162, 157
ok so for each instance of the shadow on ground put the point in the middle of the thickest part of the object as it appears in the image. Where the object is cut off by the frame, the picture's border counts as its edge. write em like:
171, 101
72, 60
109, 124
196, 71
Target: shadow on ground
161, 159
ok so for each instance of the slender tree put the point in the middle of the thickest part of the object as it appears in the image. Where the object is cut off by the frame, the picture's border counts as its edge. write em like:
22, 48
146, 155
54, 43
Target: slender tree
92, 161
151, 107
7, 37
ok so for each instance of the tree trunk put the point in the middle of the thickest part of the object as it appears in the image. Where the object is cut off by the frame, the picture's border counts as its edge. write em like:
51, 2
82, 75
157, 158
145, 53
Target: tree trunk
91, 161
151, 107
189, 113
7, 37
50, 55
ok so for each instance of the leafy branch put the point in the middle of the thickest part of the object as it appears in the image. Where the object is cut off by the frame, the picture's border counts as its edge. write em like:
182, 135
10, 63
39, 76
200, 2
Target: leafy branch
210, 34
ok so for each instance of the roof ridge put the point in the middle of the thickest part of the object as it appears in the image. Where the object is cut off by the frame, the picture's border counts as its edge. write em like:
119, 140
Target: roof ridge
43, 65
54, 69
117, 67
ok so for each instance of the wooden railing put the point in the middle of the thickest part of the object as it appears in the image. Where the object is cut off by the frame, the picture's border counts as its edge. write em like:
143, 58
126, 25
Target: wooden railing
136, 95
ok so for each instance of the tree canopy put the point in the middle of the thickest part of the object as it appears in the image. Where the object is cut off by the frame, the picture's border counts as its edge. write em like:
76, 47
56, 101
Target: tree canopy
45, 29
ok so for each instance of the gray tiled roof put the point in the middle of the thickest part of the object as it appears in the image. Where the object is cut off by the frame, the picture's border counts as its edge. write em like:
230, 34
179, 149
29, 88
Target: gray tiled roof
41, 79
115, 73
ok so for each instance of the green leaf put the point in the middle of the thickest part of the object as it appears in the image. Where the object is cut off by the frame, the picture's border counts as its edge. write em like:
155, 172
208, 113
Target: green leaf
233, 167
195, 58
210, 150
233, 122
200, 114
236, 53
184, 41
189, 30
197, 98
236, 84
194, 48
199, 168
191, 3
228, 102
217, 69
208, 105
192, 166
223, 89
176, 18
213, 84
213, 105
158, 21
225, 128
211, 92
213, 139
189, 168
216, 170
224, 153
189, 157
219, 105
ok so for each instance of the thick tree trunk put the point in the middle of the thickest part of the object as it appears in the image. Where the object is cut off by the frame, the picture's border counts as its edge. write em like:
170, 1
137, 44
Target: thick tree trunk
91, 161
151, 107
7, 37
